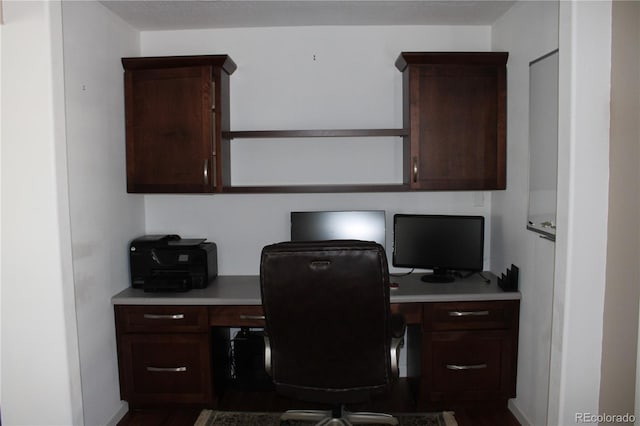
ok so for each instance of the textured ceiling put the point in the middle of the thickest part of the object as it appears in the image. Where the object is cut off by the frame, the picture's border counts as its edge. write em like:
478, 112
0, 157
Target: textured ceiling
151, 15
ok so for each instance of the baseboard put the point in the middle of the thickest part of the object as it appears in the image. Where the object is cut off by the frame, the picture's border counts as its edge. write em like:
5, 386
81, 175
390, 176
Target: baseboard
522, 419
124, 408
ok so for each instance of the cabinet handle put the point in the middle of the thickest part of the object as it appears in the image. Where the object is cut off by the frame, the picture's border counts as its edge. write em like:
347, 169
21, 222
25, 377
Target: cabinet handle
214, 179
167, 369
251, 317
167, 316
468, 313
415, 169
457, 367
205, 172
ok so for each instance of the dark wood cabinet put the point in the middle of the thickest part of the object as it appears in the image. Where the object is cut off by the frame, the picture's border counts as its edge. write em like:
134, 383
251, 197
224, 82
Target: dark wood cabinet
176, 111
164, 355
469, 352
453, 136
165, 368
458, 353
454, 105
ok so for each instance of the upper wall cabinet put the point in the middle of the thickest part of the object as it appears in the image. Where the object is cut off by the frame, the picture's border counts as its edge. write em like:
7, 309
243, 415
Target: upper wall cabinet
177, 109
455, 109
179, 139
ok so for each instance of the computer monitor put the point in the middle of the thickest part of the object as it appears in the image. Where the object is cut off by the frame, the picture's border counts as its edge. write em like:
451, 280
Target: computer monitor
366, 225
444, 243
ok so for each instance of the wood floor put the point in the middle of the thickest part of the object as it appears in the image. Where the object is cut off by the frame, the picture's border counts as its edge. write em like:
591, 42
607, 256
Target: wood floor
399, 401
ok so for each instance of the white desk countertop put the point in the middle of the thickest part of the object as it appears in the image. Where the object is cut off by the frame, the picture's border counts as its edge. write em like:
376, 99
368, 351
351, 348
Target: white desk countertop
245, 290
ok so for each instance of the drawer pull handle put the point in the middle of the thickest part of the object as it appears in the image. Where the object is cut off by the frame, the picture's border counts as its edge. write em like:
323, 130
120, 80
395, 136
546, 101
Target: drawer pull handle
251, 317
468, 313
168, 316
466, 367
167, 369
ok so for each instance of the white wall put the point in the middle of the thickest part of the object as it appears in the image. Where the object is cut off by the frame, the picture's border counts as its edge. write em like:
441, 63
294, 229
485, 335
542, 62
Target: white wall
0, 210
527, 31
40, 366
103, 216
352, 83
242, 224
620, 333
576, 308
583, 182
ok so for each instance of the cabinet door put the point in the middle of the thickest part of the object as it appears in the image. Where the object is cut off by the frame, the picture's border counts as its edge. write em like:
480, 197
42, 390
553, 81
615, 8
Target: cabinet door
165, 368
470, 352
457, 126
469, 366
169, 128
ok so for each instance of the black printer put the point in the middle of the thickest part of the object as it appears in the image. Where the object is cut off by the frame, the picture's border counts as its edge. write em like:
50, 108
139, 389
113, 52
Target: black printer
170, 263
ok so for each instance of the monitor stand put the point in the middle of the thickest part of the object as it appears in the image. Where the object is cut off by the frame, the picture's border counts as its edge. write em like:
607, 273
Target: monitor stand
438, 276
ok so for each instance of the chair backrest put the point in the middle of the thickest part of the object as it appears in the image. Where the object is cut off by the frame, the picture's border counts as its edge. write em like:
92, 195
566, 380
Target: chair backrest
327, 316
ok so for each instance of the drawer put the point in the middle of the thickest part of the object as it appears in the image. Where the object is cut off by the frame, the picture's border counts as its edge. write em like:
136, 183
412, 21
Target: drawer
237, 316
501, 314
170, 368
253, 315
153, 319
469, 365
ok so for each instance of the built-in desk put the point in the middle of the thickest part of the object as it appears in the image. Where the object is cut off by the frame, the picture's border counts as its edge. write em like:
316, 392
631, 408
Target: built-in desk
245, 290
461, 341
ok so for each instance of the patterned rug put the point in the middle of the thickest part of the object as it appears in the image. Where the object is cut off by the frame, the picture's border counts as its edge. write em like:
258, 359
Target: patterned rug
230, 418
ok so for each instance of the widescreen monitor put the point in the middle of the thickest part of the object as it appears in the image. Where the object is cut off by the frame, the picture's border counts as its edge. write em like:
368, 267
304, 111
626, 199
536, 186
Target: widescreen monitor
366, 225
447, 244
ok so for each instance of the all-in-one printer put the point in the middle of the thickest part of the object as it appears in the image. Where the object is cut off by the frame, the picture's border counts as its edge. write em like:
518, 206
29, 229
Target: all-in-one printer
170, 263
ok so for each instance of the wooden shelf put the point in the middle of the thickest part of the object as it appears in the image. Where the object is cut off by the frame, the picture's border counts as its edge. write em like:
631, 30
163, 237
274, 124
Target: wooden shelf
327, 133
329, 188
318, 188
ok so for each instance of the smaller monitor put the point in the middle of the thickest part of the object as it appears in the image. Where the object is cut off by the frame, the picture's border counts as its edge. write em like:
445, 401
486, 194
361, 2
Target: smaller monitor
444, 243
365, 225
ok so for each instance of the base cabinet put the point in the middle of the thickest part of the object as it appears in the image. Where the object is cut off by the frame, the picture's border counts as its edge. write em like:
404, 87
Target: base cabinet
166, 368
469, 352
164, 355
458, 353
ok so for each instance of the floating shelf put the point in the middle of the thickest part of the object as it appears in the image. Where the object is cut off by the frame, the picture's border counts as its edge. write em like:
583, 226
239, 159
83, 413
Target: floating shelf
328, 133
332, 188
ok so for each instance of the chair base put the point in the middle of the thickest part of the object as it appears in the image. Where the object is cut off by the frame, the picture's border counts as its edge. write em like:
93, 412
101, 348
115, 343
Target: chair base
344, 418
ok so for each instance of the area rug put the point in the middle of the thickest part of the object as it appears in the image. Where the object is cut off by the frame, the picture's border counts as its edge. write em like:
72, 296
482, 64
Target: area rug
231, 418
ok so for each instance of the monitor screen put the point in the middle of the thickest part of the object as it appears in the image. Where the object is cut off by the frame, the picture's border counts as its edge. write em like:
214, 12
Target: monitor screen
446, 244
366, 225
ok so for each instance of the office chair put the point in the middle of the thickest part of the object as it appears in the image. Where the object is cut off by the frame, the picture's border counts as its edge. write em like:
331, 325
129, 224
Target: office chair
330, 335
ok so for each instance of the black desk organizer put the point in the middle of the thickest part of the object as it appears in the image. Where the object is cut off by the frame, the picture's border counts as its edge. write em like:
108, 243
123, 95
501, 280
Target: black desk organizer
509, 282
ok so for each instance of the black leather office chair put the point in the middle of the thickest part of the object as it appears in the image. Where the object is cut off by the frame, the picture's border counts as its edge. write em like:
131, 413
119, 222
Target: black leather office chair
331, 337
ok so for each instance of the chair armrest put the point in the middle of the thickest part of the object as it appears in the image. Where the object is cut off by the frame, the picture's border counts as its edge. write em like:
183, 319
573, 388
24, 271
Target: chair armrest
267, 355
398, 327
396, 344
